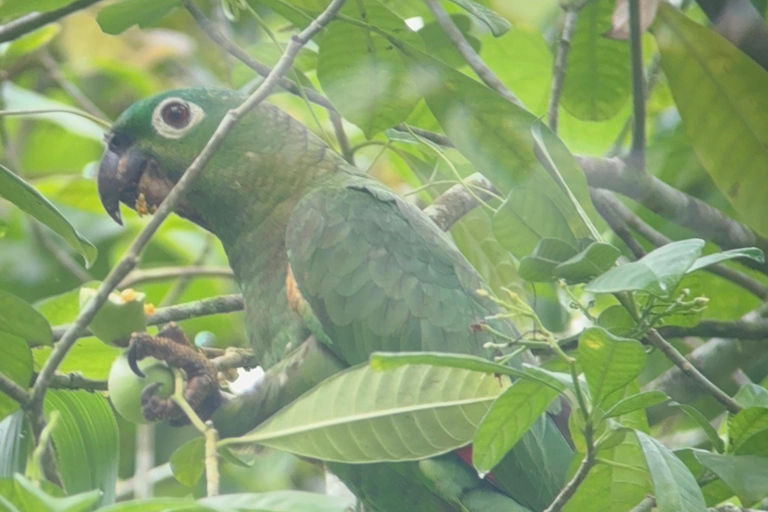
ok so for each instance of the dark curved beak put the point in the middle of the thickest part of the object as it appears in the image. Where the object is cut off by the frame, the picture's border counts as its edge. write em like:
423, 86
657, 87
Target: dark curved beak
119, 173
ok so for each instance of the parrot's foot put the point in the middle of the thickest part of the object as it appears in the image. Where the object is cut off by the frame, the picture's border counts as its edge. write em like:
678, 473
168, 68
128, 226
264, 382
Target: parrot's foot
202, 391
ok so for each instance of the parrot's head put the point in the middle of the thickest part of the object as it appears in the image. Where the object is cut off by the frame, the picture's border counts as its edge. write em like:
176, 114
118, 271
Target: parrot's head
154, 141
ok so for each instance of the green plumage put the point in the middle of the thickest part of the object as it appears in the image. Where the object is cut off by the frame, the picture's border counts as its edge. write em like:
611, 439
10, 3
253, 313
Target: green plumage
376, 272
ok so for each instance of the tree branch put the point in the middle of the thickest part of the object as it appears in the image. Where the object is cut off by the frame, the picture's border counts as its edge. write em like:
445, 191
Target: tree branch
608, 205
13, 390
743, 329
672, 204
561, 63
637, 150
457, 201
189, 177
483, 72
35, 20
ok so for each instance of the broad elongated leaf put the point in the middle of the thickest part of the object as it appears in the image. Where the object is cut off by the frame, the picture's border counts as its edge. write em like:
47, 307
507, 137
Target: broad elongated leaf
361, 71
675, 487
746, 475
13, 444
597, 83
498, 25
16, 364
609, 362
20, 319
550, 252
20, 193
187, 462
86, 441
752, 395
705, 425
635, 403
363, 415
280, 501
730, 136
509, 418
658, 273
751, 253
593, 261
118, 17
525, 218
32, 497
747, 424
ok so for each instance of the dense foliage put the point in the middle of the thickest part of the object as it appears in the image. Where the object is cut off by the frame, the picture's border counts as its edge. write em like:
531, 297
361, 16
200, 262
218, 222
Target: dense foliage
621, 226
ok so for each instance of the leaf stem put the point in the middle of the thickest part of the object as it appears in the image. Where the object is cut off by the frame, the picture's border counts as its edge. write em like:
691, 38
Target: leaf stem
637, 151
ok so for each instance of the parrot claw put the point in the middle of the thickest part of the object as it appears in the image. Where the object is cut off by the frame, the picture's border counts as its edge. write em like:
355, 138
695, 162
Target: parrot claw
172, 347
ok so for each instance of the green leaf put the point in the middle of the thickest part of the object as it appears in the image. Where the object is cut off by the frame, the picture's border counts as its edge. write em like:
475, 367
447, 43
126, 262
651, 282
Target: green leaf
746, 424
539, 266
280, 501
14, 444
635, 403
593, 261
598, 81
746, 475
35, 499
116, 18
437, 43
362, 72
16, 364
617, 320
609, 362
705, 425
187, 462
658, 272
363, 415
675, 487
525, 218
497, 25
730, 136
512, 414
31, 42
752, 253
752, 395
86, 441
20, 319
155, 505
23, 195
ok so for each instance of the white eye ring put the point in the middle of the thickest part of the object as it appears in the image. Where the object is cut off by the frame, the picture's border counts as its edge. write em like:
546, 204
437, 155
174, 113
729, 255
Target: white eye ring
164, 129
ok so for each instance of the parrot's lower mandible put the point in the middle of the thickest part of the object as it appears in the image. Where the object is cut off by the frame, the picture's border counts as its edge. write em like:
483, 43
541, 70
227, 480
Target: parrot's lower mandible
370, 273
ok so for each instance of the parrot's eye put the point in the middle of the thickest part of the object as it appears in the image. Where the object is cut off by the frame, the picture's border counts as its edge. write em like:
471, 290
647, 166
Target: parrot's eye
176, 114
174, 117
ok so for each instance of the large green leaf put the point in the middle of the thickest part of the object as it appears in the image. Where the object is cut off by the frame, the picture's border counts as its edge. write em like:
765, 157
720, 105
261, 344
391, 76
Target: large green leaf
749, 423
16, 364
730, 135
29, 497
86, 441
14, 444
361, 71
593, 261
540, 265
20, 319
512, 414
675, 487
23, 195
746, 475
16, 7
658, 273
118, 17
636, 402
702, 421
526, 217
609, 362
363, 415
751, 253
597, 83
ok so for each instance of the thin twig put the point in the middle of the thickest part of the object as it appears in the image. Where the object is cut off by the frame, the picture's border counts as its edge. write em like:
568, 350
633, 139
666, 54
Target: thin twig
457, 201
755, 329
35, 20
189, 177
637, 150
180, 286
33, 112
341, 137
77, 381
235, 357
13, 390
59, 254
142, 276
474, 60
561, 63
52, 67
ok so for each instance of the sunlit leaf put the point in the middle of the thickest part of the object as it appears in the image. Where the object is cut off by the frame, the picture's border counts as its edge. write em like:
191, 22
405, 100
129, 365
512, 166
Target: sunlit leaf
23, 195
730, 136
187, 462
609, 362
364, 415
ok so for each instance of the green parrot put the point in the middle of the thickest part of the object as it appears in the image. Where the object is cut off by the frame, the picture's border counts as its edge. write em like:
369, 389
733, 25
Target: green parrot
374, 274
